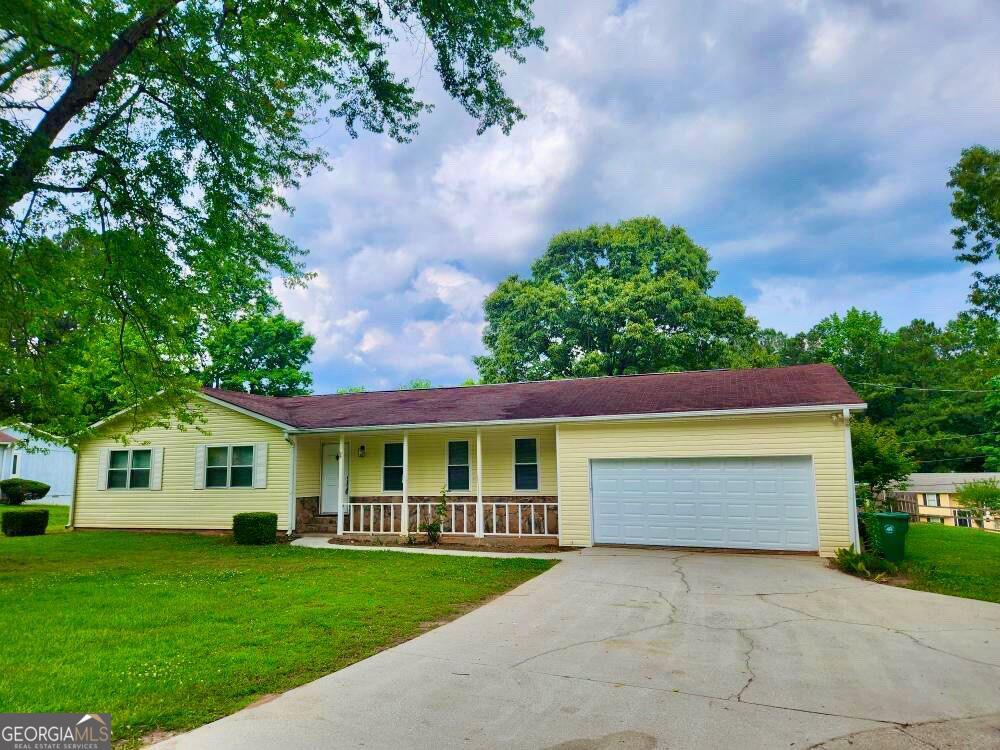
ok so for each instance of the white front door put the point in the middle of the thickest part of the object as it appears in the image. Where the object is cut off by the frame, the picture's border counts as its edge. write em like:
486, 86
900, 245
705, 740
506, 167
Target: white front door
331, 475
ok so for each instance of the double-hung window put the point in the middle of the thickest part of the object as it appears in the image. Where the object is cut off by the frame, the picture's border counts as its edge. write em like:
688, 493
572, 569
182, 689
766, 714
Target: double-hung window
458, 465
525, 464
229, 466
128, 469
931, 500
392, 468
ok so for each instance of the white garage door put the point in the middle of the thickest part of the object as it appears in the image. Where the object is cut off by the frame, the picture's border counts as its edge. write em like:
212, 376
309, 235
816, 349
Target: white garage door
747, 503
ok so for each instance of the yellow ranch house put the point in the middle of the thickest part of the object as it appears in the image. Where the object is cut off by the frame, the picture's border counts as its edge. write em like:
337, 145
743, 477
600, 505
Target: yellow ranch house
740, 459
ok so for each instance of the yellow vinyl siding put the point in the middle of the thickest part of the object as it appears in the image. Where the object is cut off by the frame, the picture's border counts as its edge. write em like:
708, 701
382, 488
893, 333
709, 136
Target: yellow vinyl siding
427, 460
815, 435
178, 505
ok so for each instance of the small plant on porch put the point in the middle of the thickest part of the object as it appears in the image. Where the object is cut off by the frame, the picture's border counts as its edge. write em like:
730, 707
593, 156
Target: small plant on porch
433, 527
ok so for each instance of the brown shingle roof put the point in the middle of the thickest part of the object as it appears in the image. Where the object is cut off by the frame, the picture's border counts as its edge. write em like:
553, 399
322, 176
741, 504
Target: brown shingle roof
5, 438
661, 393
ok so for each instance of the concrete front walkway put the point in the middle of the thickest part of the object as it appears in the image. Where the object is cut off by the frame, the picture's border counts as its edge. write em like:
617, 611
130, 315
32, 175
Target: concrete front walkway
647, 648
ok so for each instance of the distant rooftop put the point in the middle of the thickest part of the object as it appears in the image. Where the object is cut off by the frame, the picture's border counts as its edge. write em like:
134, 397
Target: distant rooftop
946, 482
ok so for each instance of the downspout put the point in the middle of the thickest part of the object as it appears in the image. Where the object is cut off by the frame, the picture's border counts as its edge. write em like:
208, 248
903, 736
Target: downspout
76, 484
291, 483
851, 491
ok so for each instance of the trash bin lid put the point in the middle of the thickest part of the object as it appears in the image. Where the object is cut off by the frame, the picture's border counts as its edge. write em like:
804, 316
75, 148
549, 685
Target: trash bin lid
892, 514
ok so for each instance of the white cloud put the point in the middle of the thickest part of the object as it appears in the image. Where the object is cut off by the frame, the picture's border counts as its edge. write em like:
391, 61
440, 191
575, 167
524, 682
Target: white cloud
460, 291
794, 303
805, 144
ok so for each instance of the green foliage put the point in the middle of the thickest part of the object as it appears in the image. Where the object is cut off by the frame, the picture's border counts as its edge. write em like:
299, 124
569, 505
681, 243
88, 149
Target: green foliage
137, 208
939, 425
856, 344
434, 527
863, 564
24, 522
975, 204
255, 528
263, 352
989, 442
16, 491
417, 384
880, 461
351, 389
615, 300
979, 496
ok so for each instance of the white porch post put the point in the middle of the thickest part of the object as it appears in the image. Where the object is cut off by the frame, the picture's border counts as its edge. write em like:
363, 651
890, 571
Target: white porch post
404, 508
480, 521
341, 463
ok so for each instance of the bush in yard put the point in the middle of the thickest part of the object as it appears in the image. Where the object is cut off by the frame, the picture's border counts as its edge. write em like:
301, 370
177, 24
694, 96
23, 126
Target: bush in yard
435, 526
255, 528
17, 491
863, 564
24, 522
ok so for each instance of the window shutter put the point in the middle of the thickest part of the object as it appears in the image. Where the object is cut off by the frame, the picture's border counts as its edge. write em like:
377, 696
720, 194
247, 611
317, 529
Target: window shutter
103, 460
156, 469
199, 467
260, 465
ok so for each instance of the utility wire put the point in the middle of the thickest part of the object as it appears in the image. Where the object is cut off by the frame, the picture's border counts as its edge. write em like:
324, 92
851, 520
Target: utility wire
917, 388
950, 437
956, 458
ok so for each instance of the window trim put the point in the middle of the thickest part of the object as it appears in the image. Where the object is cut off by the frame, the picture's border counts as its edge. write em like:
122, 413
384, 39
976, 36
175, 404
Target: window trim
229, 466
937, 500
402, 444
15, 464
128, 471
448, 465
514, 464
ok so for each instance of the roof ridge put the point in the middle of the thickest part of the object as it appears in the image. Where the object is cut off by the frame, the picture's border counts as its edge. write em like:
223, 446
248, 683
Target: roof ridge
555, 380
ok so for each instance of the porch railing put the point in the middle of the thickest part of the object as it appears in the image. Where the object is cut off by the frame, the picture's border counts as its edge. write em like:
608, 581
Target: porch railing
520, 519
499, 518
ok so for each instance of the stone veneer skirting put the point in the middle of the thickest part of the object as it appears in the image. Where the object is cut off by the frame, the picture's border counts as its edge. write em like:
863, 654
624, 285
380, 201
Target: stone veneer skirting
535, 520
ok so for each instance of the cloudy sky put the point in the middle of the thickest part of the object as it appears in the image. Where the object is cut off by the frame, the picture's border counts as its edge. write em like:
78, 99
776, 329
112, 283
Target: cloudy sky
805, 144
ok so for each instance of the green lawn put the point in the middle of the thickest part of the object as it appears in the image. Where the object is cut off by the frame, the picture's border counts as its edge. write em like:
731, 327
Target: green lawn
951, 560
58, 515
171, 631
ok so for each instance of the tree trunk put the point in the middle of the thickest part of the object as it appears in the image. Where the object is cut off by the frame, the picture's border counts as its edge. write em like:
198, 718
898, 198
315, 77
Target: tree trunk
19, 180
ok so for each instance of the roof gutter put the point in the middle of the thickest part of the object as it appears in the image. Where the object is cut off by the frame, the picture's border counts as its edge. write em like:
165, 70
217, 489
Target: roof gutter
838, 408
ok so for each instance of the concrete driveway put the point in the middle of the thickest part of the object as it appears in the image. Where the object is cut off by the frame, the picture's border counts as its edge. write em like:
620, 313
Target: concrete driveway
634, 648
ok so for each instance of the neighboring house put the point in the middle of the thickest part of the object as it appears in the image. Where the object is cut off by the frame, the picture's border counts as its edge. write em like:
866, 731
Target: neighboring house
930, 498
756, 459
44, 461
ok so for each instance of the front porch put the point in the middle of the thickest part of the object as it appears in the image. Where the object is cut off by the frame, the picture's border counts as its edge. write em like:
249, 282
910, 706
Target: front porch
499, 485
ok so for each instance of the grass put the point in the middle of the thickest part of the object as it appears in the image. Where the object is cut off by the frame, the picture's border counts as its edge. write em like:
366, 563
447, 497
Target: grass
170, 631
951, 560
58, 515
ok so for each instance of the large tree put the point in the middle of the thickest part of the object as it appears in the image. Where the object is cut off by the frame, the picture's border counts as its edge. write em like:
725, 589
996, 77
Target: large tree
975, 181
923, 381
144, 146
263, 352
881, 461
615, 300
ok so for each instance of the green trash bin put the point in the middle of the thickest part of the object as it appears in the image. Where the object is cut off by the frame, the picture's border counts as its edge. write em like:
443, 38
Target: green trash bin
892, 528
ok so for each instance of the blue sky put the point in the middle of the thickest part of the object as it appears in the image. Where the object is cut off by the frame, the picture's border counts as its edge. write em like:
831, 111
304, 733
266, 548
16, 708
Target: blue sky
805, 144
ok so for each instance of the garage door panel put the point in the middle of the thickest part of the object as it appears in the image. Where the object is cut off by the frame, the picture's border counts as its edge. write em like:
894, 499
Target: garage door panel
760, 503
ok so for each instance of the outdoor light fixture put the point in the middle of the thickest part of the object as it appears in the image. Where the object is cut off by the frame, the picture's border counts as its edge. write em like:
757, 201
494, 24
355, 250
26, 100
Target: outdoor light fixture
361, 451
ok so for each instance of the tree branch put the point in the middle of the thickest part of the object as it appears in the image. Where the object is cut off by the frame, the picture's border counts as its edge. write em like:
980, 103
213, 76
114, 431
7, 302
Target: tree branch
16, 182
